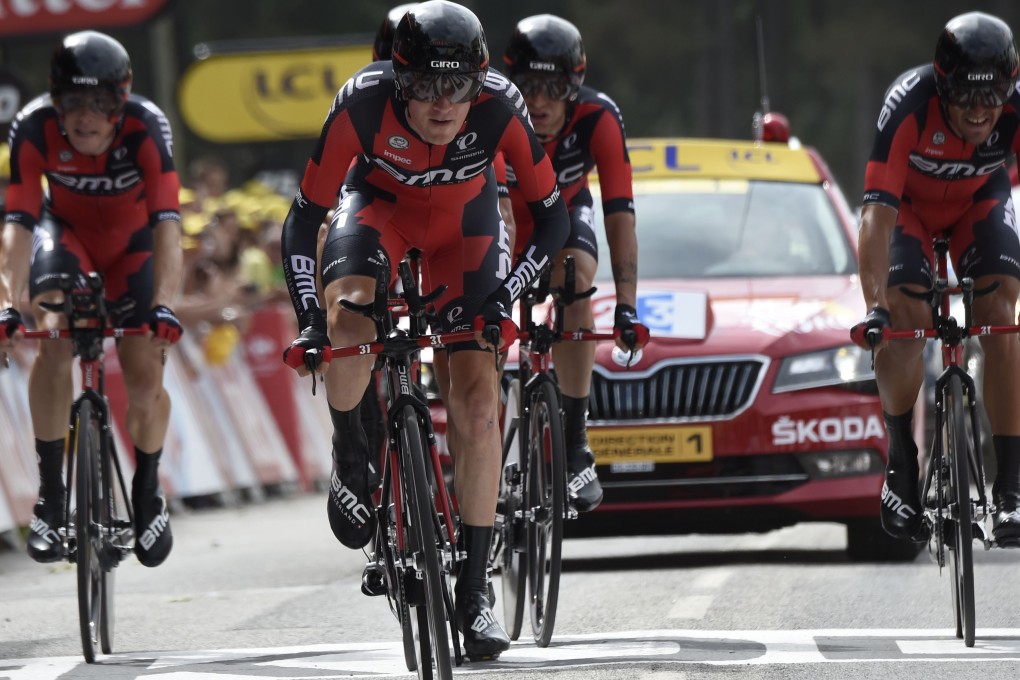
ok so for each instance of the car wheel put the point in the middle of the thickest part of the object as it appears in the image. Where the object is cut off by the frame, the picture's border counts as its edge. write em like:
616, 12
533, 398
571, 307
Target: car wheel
866, 541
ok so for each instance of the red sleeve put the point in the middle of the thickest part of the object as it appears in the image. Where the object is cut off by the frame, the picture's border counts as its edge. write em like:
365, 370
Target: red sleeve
327, 167
609, 148
24, 194
162, 185
499, 167
522, 151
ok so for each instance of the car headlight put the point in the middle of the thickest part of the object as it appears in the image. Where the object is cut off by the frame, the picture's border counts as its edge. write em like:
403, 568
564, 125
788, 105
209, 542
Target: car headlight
836, 366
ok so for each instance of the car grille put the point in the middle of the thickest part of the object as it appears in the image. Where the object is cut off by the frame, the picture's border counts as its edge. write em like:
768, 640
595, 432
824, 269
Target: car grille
717, 389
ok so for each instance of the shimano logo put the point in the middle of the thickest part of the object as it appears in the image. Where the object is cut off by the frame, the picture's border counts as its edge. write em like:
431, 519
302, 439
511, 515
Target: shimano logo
438, 63
541, 66
981, 77
155, 529
345, 499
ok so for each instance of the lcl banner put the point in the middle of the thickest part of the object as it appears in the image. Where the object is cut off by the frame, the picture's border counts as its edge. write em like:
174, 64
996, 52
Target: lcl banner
266, 96
21, 17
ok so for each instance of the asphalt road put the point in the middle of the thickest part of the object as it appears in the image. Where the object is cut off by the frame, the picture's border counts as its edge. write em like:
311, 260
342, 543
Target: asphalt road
264, 591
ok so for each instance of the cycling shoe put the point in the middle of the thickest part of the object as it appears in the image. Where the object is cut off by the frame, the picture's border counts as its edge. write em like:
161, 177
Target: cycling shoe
349, 506
901, 506
153, 538
44, 542
484, 639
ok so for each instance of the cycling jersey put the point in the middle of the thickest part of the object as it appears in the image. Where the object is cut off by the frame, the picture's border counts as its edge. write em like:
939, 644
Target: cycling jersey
98, 211
937, 181
592, 137
428, 194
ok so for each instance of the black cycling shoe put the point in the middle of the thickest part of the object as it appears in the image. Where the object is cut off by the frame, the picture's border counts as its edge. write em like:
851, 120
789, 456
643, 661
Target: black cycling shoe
1006, 520
484, 640
901, 505
349, 505
585, 492
153, 538
44, 542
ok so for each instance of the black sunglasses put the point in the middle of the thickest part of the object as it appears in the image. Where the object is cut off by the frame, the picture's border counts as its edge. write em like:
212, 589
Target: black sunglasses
967, 96
552, 86
97, 101
430, 87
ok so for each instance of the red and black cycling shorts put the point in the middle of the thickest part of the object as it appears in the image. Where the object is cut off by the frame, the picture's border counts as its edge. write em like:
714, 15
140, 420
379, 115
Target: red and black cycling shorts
983, 240
582, 227
127, 275
463, 244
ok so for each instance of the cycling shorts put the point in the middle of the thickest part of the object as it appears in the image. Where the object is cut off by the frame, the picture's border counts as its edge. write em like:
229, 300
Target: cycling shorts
582, 227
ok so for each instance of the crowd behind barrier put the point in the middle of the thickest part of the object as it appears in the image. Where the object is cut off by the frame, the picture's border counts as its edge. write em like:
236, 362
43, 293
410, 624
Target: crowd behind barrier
242, 424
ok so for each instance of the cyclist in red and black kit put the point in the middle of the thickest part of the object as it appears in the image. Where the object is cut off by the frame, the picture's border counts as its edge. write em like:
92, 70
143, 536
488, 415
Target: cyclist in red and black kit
938, 166
112, 207
581, 129
424, 130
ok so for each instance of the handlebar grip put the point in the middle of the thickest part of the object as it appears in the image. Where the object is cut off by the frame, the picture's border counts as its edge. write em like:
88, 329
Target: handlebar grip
629, 338
874, 336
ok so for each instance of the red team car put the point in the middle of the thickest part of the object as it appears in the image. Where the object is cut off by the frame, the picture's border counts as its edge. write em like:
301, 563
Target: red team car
750, 410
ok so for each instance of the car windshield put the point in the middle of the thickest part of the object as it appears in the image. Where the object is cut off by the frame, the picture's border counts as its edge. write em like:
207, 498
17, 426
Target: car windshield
703, 228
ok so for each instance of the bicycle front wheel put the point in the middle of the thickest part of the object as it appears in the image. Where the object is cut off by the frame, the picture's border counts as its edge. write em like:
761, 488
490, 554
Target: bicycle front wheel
87, 526
508, 559
959, 448
433, 638
546, 493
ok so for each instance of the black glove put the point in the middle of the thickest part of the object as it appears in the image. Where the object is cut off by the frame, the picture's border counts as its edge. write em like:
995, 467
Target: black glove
312, 347
629, 328
10, 323
877, 319
493, 315
165, 324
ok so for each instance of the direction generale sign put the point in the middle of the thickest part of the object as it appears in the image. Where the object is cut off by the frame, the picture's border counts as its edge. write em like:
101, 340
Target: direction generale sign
265, 96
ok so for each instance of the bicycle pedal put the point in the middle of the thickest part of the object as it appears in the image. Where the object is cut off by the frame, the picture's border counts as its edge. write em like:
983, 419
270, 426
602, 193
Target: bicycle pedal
373, 581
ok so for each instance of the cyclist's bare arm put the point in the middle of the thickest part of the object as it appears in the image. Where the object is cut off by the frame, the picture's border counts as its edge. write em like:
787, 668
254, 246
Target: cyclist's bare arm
623, 254
168, 262
876, 228
15, 255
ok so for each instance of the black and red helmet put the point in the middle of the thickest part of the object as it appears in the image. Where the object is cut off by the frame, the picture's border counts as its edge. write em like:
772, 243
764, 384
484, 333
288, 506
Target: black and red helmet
975, 61
546, 48
382, 47
439, 50
89, 59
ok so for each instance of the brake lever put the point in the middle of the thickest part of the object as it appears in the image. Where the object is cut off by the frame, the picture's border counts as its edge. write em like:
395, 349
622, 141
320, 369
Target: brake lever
311, 359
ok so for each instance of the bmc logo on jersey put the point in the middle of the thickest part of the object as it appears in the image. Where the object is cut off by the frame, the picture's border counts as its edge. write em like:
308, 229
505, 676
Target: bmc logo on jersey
895, 96
98, 184
945, 169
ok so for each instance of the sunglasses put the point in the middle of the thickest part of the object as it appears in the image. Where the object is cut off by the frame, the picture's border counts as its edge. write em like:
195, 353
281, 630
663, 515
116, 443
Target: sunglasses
431, 87
553, 87
967, 96
97, 101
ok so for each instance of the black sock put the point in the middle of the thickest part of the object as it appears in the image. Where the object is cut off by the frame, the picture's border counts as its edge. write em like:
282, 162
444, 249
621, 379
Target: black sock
902, 447
474, 571
146, 469
1007, 460
350, 444
575, 419
51, 466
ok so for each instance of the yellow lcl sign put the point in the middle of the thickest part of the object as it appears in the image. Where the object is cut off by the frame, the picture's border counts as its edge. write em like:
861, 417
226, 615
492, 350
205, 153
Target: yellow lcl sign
265, 96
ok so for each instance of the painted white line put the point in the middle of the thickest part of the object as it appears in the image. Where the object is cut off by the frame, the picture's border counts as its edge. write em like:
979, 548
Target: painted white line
712, 579
955, 646
691, 607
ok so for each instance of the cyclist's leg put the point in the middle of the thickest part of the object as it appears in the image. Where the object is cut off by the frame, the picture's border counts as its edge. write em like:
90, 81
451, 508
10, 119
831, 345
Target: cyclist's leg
899, 370
129, 285
355, 243
574, 361
473, 399
50, 384
989, 252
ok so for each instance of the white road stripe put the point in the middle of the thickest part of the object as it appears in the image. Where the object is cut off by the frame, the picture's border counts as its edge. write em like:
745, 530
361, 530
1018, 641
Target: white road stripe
711, 579
691, 607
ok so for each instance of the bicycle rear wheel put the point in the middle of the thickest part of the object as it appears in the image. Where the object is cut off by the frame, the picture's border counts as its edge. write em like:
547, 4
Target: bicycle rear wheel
960, 447
88, 522
546, 484
508, 558
431, 618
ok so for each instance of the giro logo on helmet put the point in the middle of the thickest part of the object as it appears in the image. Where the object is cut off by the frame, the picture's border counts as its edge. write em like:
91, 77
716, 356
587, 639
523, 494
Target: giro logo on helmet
981, 76
437, 63
84, 80
541, 66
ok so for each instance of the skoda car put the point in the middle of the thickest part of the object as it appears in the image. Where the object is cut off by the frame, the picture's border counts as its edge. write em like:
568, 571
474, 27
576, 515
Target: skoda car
750, 409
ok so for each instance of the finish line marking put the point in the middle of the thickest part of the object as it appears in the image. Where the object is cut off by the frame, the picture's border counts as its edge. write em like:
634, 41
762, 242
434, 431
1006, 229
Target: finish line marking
682, 647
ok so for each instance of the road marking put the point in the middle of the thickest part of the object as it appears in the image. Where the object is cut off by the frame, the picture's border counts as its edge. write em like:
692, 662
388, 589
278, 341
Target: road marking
662, 649
691, 607
711, 579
